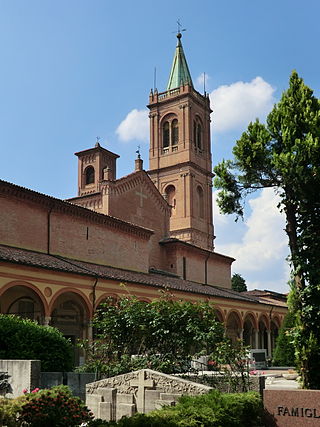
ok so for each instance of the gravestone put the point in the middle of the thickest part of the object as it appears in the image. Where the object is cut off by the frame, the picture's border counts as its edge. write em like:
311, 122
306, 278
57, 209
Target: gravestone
20, 375
292, 408
140, 391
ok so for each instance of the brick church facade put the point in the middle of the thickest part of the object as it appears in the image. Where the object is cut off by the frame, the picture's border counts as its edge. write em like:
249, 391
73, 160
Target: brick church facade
150, 230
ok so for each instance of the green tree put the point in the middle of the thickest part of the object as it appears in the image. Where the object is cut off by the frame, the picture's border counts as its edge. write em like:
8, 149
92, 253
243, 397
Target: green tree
284, 352
284, 154
162, 334
238, 283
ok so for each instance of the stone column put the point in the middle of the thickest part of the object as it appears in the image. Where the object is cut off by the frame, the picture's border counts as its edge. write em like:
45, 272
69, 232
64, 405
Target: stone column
256, 338
47, 320
89, 331
269, 342
241, 334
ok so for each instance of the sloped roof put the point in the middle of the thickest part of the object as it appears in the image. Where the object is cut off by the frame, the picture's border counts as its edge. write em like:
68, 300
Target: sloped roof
160, 281
180, 74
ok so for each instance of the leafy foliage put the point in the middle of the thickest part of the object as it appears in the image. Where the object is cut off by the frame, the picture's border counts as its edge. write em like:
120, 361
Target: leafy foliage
284, 154
238, 283
9, 410
284, 351
55, 407
25, 339
213, 409
162, 335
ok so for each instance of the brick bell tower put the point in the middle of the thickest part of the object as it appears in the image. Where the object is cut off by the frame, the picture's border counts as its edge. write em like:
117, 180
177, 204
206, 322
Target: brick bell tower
180, 154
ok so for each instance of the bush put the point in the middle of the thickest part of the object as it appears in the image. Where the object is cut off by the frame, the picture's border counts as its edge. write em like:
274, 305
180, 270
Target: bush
54, 408
9, 410
24, 339
172, 330
209, 410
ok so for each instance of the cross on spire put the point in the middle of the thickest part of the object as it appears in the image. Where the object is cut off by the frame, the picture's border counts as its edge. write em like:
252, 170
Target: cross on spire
179, 27
179, 31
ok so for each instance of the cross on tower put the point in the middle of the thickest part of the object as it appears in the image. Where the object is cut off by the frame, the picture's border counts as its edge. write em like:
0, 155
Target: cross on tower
142, 383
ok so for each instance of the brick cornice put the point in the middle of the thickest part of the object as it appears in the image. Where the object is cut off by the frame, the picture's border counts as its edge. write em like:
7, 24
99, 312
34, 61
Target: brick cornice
130, 181
58, 205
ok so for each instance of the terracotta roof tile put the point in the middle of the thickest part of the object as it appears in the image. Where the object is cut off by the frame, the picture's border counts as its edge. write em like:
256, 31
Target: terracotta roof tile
41, 260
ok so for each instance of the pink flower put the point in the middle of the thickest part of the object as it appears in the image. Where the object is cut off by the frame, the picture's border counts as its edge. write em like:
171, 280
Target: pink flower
35, 390
25, 390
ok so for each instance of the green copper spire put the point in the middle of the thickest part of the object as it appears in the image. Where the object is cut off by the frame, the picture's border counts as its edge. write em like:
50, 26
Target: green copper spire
180, 74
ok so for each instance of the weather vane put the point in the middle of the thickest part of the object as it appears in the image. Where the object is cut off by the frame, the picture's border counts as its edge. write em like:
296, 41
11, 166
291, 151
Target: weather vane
179, 27
98, 138
138, 152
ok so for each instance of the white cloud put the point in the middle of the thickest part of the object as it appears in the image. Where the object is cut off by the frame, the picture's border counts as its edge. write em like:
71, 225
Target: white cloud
261, 251
134, 127
279, 284
239, 103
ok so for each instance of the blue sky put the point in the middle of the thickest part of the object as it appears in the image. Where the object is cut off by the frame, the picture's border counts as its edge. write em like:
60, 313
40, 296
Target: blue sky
73, 70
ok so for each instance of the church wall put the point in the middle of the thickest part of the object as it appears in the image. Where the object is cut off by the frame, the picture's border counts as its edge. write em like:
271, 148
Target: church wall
199, 266
93, 242
219, 272
193, 265
23, 224
138, 205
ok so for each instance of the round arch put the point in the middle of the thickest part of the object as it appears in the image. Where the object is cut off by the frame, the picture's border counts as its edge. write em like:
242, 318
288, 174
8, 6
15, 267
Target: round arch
18, 290
89, 175
264, 327
171, 115
219, 315
170, 195
249, 315
87, 304
233, 325
276, 320
249, 329
263, 318
103, 297
71, 313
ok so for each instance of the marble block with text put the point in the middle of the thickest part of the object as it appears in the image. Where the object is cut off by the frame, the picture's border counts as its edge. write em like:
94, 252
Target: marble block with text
292, 408
140, 391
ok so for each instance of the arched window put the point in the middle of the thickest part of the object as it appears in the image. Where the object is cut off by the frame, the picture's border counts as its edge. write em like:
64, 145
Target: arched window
89, 175
199, 136
200, 202
171, 198
165, 135
174, 132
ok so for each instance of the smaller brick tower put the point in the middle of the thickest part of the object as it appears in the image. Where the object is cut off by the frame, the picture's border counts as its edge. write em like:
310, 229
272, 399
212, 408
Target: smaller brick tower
180, 154
95, 165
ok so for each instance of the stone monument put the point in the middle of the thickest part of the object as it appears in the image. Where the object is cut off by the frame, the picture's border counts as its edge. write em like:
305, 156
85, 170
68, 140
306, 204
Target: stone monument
140, 391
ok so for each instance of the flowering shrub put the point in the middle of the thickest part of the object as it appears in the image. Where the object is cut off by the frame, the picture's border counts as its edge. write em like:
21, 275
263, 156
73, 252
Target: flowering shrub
54, 408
